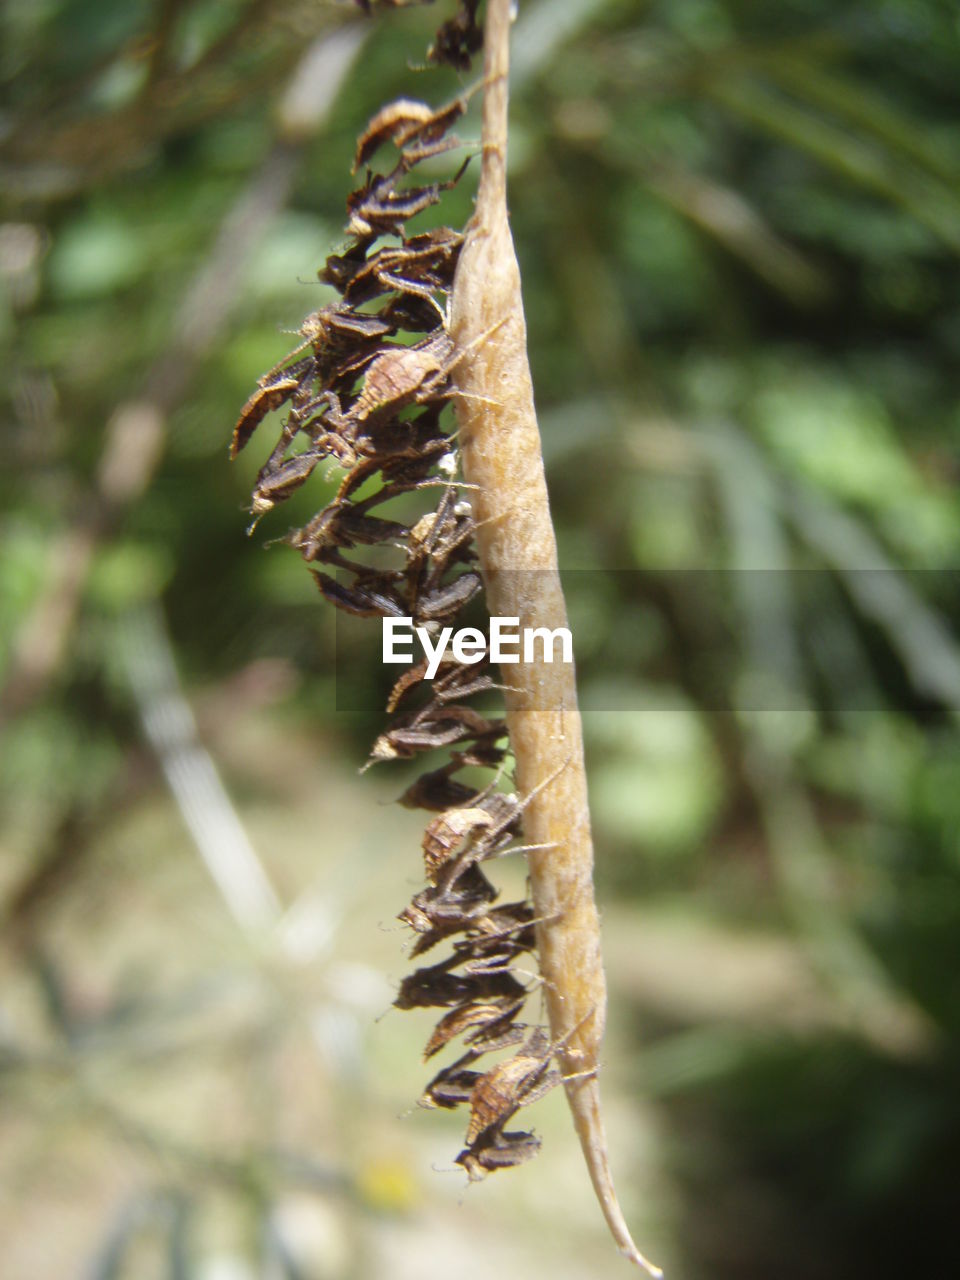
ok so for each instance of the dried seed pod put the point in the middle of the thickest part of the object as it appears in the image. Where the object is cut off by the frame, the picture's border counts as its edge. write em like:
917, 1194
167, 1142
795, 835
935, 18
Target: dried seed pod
440, 538
451, 1087
496, 1149
342, 525
401, 375
428, 258
444, 836
337, 325
437, 913
403, 271
361, 601
437, 725
442, 603
499, 1033
437, 789
483, 940
453, 681
466, 1017
409, 679
437, 713
437, 988
415, 308
458, 39
378, 208
483, 840
404, 121
340, 268
505, 1088
277, 483
507, 918
391, 120
263, 401
483, 957
484, 753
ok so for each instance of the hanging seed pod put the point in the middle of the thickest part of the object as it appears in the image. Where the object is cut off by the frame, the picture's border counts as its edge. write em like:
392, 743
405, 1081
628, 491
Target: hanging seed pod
459, 39
366, 400
405, 121
496, 1149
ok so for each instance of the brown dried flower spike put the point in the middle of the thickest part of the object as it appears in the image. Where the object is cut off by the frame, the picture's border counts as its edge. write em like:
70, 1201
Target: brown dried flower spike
355, 393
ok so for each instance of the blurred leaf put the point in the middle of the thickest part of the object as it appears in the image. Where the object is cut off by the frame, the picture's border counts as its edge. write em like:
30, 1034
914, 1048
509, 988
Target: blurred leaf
657, 785
129, 573
856, 159
95, 257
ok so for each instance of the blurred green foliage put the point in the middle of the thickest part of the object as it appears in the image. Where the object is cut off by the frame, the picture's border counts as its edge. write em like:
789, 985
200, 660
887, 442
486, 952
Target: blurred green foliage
739, 229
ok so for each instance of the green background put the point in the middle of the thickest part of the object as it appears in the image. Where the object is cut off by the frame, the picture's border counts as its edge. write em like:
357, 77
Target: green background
738, 226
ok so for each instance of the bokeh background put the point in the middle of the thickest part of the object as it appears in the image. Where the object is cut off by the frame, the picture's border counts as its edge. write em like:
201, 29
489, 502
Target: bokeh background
739, 229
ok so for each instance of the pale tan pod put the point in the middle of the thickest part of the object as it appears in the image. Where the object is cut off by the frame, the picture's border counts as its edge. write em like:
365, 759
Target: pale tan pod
500, 443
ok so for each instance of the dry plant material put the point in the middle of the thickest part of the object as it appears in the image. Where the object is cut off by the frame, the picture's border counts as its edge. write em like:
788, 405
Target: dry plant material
500, 444
496, 1149
459, 39
501, 1091
359, 393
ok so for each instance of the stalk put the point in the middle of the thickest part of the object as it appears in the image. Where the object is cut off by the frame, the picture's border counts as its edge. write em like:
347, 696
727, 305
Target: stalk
500, 444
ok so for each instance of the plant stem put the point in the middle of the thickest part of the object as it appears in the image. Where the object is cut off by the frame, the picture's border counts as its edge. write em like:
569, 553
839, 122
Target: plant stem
500, 443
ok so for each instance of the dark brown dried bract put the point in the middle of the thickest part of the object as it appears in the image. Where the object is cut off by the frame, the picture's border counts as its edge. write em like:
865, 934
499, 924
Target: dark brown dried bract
389, 123
404, 121
464, 1018
437, 789
361, 601
459, 39
497, 1149
263, 401
276, 483
501, 1091
378, 208
451, 1087
436, 987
